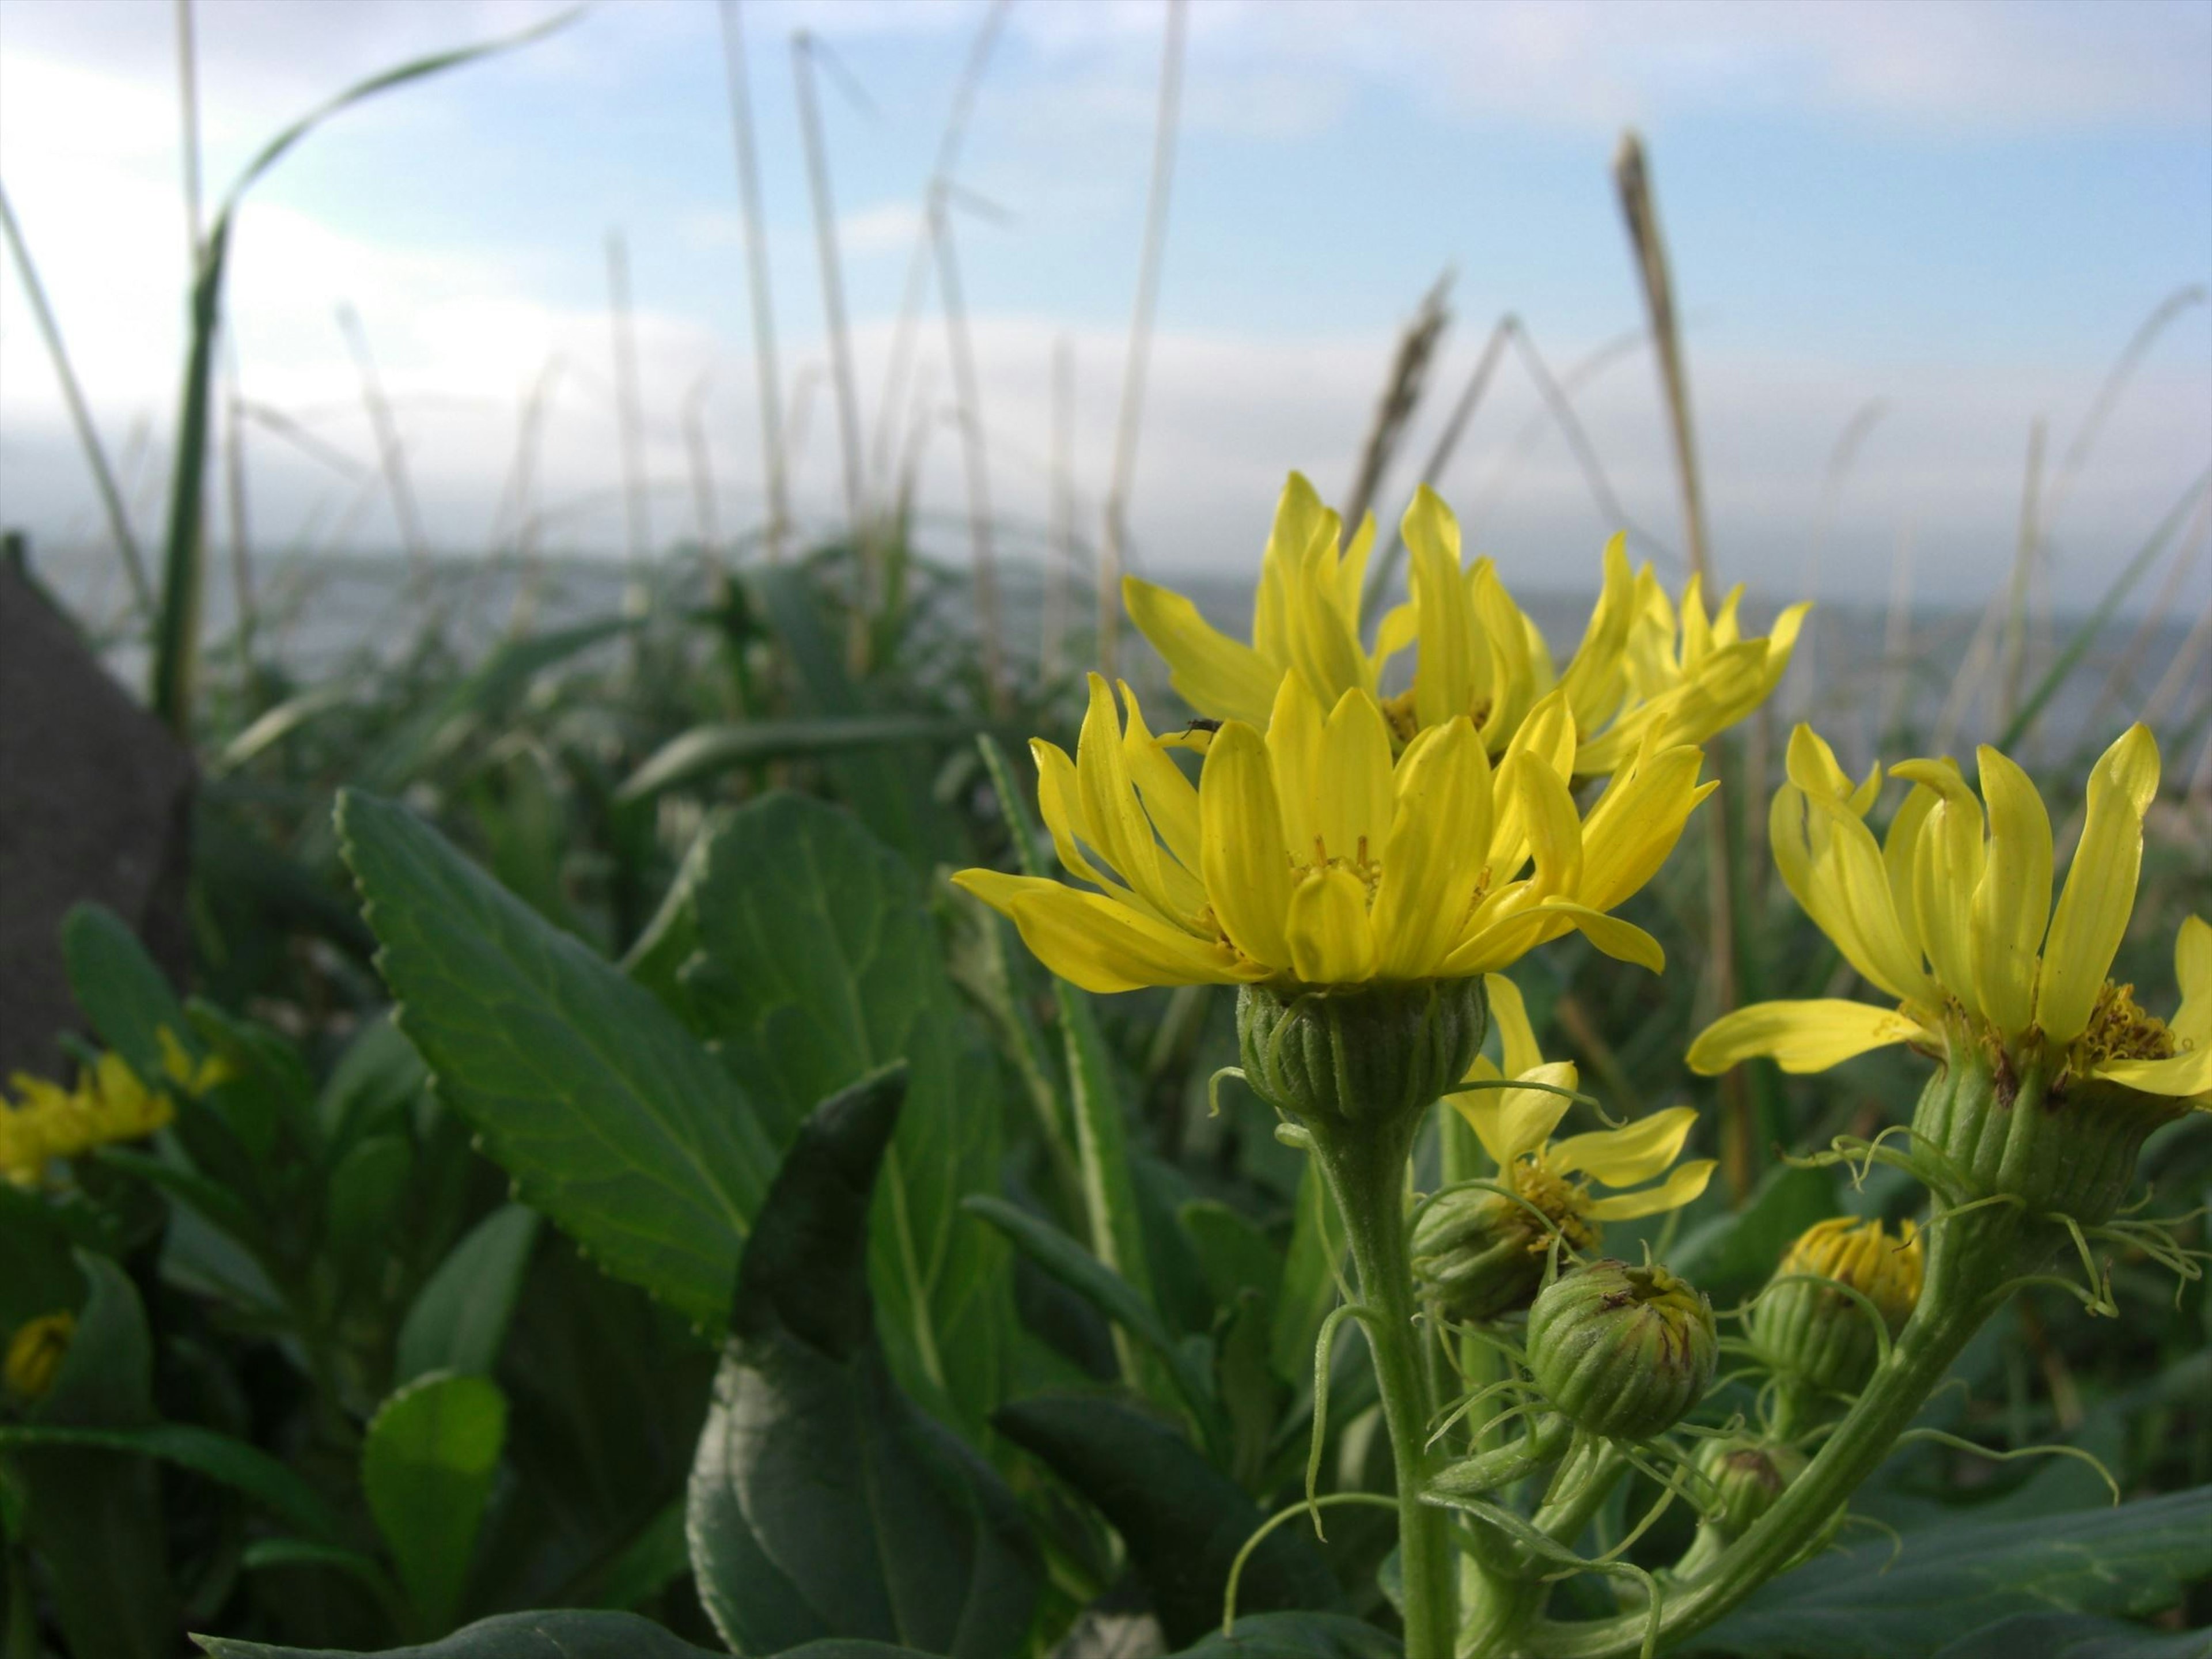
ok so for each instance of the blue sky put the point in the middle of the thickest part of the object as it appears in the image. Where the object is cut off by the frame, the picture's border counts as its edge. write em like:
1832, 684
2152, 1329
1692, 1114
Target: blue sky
1961, 209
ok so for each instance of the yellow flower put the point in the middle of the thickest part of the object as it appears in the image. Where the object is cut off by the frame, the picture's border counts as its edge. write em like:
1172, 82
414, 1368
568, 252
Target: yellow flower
1514, 1126
195, 1076
1307, 856
35, 1353
1952, 917
108, 1105
1639, 675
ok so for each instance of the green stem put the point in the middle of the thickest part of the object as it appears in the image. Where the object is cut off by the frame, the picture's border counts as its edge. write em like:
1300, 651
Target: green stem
1365, 1162
1969, 1258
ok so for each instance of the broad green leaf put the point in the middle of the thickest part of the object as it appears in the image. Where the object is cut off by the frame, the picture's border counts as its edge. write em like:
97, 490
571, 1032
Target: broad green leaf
127, 998
1959, 1577
244, 1468
823, 1503
2075, 1636
1106, 1290
818, 963
1182, 1522
1298, 1636
563, 1635
459, 1318
40, 1278
367, 1190
611, 1118
427, 1466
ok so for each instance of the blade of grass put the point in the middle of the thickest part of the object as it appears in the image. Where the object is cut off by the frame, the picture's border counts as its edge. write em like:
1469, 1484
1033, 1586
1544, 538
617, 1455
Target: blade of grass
88, 436
974, 454
637, 508
2093, 623
1113, 548
1059, 571
176, 626
2015, 657
803, 50
1418, 343
765, 376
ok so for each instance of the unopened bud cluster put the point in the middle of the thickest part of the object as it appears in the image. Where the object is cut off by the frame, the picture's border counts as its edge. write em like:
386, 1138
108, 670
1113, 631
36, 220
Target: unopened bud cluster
1622, 1352
1375, 1050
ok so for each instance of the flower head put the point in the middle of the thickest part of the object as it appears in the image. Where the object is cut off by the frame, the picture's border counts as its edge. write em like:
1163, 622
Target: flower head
1309, 855
1642, 673
1951, 916
1554, 1176
1622, 1352
1801, 1326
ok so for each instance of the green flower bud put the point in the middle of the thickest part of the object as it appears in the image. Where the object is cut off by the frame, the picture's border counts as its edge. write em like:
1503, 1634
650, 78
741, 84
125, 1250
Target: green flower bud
1622, 1352
2064, 1145
1746, 1477
1480, 1254
1368, 1051
1801, 1327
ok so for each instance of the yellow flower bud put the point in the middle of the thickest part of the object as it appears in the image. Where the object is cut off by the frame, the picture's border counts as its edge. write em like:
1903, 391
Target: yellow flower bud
1622, 1352
35, 1353
1806, 1329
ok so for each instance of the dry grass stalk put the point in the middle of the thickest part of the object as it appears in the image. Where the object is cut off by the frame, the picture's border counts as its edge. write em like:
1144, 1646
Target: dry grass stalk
1455, 427
1059, 571
765, 373
975, 455
803, 50
1401, 395
705, 520
1633, 181
2024, 555
637, 508
389, 450
1112, 546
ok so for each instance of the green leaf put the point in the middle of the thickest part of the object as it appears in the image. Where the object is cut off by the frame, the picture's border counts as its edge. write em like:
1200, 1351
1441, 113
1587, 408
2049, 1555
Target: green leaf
426, 1467
125, 996
2075, 1636
367, 1190
1183, 1522
822, 1503
1959, 1577
1298, 1636
818, 963
243, 1467
459, 1318
509, 1636
609, 1115
708, 751
1106, 1290
1114, 1220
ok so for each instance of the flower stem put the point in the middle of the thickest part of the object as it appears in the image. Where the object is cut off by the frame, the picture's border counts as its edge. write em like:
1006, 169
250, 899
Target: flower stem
1364, 1163
1970, 1259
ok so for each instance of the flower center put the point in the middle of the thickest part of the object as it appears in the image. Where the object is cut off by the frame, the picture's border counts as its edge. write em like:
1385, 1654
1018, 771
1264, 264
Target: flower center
1368, 868
2119, 1029
1562, 1203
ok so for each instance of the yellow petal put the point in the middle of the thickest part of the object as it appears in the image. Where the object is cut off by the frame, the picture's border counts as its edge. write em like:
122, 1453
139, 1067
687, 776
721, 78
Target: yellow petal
1509, 1013
2184, 1075
2192, 968
1170, 798
1059, 802
1513, 685
1439, 828
1485, 1112
1856, 908
1636, 1151
1900, 850
1526, 1117
1636, 822
1546, 737
1105, 946
1801, 1037
1401, 627
1555, 833
1330, 940
1298, 512
1682, 1187
1623, 941
998, 890
1813, 766
2101, 887
1247, 868
1294, 745
1324, 638
1110, 803
1454, 670
1356, 806
1215, 675
1592, 680
1947, 867
1352, 572
2013, 901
